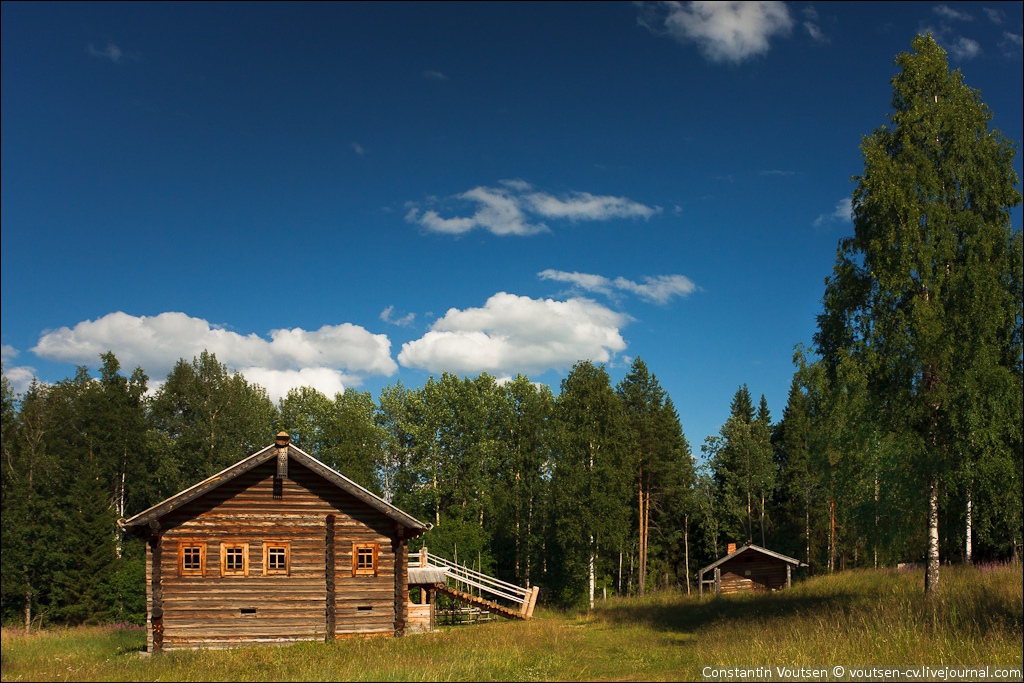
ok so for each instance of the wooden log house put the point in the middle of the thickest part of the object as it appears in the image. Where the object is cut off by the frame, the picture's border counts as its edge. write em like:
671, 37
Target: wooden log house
750, 568
277, 548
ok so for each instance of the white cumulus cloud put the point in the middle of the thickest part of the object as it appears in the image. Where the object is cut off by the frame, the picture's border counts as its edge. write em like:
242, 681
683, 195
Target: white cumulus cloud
723, 31
388, 316
842, 213
659, 289
965, 48
19, 376
513, 208
947, 12
332, 355
111, 52
585, 281
583, 206
514, 334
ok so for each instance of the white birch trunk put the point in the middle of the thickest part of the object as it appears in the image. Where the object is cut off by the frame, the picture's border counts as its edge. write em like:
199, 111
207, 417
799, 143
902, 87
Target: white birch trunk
593, 575
967, 544
931, 572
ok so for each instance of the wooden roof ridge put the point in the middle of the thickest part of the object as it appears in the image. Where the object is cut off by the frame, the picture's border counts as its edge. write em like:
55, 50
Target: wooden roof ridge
261, 456
756, 548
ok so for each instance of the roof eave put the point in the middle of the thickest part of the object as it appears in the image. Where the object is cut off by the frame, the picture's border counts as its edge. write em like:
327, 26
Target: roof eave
142, 520
141, 523
755, 548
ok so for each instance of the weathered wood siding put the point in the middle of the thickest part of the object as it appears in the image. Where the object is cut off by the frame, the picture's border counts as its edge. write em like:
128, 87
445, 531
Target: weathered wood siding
207, 611
149, 599
752, 571
421, 618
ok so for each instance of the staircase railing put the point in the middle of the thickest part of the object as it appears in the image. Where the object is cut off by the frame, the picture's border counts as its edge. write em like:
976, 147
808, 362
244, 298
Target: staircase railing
489, 587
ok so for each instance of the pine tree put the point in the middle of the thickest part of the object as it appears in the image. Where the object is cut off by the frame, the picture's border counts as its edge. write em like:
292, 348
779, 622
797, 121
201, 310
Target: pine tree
661, 454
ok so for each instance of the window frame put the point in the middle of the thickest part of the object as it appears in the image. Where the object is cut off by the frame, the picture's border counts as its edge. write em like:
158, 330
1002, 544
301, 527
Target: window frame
277, 545
234, 545
364, 571
186, 544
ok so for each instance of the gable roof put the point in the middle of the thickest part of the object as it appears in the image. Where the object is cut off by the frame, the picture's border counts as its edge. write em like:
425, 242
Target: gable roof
755, 548
142, 520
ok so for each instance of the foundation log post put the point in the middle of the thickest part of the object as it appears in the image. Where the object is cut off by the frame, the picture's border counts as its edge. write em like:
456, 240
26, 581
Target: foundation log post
330, 611
156, 616
399, 547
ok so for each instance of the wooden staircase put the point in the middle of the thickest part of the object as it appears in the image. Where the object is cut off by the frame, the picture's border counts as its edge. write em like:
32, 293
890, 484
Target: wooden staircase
435, 573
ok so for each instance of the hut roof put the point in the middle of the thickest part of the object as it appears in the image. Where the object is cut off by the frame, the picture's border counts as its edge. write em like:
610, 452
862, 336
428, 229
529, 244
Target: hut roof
427, 575
140, 521
755, 548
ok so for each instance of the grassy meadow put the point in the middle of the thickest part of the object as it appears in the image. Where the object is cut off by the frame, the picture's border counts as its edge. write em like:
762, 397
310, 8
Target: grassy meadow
857, 618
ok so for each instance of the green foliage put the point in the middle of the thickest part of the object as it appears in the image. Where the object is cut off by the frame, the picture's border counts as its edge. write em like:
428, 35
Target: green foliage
744, 469
523, 416
591, 482
664, 474
211, 416
341, 433
924, 299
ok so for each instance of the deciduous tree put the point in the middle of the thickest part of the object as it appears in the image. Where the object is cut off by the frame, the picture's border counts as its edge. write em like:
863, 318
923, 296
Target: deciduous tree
922, 296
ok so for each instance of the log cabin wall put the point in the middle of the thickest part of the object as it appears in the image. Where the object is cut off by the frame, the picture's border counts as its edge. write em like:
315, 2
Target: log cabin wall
752, 571
212, 610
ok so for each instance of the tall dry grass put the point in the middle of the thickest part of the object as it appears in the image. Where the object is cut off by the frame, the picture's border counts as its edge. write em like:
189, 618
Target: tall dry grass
855, 618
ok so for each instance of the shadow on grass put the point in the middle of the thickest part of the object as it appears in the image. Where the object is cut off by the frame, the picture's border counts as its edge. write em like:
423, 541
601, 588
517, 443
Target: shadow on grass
971, 602
688, 615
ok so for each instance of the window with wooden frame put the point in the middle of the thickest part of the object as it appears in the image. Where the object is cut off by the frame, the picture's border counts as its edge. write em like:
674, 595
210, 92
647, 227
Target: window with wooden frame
364, 559
191, 558
234, 559
277, 558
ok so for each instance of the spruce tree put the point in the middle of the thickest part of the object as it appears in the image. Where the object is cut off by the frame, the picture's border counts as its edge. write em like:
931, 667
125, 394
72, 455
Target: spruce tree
591, 480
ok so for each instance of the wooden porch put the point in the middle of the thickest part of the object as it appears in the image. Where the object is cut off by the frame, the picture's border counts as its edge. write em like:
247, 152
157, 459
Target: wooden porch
434, 574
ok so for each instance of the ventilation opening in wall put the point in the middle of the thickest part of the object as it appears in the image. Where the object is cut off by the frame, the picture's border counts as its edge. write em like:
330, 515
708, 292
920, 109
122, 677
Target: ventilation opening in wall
248, 611
364, 608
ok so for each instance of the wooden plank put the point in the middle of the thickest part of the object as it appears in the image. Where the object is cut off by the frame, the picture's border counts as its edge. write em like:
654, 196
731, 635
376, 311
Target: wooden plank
149, 598
156, 613
399, 550
329, 574
487, 605
533, 602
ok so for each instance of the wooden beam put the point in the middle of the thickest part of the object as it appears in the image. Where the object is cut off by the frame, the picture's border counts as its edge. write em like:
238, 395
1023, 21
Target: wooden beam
329, 572
156, 615
533, 602
399, 547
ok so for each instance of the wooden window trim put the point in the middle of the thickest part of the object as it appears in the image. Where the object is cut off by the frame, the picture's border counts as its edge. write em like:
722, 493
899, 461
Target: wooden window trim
182, 545
232, 545
277, 545
364, 571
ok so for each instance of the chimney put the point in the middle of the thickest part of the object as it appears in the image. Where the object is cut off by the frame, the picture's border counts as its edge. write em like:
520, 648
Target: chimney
281, 441
731, 549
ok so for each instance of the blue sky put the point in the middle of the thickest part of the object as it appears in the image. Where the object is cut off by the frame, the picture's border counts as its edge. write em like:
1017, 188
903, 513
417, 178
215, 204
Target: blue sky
354, 195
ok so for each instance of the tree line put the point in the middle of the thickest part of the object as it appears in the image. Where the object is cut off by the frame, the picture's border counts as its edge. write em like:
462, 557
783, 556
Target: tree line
901, 438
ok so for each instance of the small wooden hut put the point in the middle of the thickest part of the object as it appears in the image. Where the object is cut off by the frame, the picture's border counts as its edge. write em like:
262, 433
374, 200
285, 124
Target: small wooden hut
750, 568
276, 548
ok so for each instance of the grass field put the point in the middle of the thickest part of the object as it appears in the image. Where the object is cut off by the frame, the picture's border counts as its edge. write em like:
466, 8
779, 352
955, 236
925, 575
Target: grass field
856, 618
